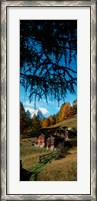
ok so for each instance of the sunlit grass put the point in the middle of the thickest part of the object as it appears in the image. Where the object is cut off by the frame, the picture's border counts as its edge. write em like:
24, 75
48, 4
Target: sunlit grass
29, 154
71, 122
64, 169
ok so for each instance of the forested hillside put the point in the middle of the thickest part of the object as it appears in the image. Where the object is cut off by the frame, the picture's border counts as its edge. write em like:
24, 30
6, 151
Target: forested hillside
66, 112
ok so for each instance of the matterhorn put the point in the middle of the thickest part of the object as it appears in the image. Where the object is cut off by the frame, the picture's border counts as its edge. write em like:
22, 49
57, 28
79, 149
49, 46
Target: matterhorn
37, 113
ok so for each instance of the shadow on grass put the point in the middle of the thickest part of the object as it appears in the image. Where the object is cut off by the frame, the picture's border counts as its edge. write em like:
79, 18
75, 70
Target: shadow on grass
25, 175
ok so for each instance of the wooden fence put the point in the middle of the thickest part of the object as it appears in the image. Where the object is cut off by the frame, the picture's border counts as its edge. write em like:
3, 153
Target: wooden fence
48, 156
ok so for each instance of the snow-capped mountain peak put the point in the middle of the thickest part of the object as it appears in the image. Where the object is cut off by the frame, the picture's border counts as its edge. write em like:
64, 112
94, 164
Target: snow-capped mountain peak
37, 113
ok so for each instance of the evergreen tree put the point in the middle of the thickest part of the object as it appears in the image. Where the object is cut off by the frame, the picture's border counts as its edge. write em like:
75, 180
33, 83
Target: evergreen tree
24, 119
35, 124
48, 51
75, 106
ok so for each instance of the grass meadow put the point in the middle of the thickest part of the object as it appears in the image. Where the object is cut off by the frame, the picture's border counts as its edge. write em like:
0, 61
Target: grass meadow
63, 169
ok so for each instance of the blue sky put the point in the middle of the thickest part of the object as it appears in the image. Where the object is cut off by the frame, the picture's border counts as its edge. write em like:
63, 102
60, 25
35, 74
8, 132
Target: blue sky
52, 107
47, 109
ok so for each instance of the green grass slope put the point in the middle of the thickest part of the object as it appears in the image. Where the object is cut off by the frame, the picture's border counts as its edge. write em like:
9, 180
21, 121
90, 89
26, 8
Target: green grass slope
63, 169
71, 122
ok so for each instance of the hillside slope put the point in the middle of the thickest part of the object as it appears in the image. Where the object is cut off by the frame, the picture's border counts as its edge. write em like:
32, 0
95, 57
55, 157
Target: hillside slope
71, 122
62, 169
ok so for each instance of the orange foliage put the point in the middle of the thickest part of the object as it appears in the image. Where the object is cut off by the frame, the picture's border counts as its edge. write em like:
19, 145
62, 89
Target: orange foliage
66, 111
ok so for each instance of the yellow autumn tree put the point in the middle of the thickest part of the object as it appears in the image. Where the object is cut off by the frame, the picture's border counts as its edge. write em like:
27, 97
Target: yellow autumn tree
66, 111
52, 120
45, 123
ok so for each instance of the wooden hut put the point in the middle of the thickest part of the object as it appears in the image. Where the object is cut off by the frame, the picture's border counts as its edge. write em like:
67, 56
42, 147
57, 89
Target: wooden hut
52, 138
41, 140
60, 132
50, 142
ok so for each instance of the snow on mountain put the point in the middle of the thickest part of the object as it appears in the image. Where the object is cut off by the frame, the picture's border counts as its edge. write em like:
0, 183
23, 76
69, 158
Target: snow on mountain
37, 113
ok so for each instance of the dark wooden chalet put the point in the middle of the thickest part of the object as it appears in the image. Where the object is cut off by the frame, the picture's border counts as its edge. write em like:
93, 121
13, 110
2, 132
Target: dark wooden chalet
50, 142
41, 140
52, 139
